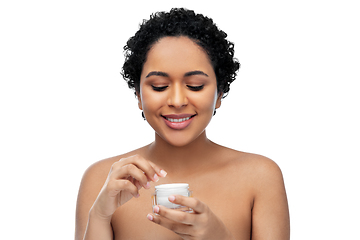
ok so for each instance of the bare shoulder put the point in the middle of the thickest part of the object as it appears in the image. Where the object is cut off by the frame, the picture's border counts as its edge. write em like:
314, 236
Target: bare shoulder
263, 178
91, 184
100, 169
254, 168
270, 212
94, 178
254, 163
262, 166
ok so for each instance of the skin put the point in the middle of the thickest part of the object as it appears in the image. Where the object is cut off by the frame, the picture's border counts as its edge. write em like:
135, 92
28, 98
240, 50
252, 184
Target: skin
237, 195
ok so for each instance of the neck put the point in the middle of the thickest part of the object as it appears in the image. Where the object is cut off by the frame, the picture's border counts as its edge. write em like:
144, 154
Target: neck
181, 158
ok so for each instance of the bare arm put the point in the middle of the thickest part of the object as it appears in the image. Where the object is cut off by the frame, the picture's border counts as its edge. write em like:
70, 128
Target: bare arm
91, 184
102, 192
270, 214
98, 228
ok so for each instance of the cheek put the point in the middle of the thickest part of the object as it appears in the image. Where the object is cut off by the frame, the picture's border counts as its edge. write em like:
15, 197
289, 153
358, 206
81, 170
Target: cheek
151, 101
205, 102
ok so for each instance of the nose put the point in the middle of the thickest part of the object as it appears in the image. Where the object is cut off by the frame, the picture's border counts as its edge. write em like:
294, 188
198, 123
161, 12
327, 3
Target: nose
177, 96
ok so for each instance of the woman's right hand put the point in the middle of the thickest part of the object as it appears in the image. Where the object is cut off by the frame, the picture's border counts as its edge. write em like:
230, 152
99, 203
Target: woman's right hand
126, 177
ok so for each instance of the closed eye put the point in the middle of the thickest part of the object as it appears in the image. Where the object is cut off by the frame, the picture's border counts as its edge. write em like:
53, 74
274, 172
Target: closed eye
159, 89
195, 88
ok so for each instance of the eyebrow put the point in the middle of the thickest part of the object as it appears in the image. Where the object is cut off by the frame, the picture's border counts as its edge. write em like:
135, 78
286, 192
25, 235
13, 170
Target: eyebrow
156, 73
188, 74
163, 74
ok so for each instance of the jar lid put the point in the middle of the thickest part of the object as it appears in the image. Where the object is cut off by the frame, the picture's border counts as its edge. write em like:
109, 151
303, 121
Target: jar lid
171, 186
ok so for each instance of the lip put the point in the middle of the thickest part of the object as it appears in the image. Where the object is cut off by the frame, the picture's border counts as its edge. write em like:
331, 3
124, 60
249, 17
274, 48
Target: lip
178, 116
178, 125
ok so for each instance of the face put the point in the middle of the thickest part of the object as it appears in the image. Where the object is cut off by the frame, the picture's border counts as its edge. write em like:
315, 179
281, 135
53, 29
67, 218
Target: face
178, 90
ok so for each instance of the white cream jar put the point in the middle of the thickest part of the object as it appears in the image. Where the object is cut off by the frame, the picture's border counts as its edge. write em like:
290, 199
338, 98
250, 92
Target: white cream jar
162, 193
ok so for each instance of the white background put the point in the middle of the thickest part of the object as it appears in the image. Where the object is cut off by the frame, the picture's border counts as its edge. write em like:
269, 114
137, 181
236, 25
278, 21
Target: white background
65, 106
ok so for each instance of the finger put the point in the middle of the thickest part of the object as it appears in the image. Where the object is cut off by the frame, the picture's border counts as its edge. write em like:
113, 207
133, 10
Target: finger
195, 204
151, 170
175, 215
159, 171
179, 228
130, 170
115, 186
135, 182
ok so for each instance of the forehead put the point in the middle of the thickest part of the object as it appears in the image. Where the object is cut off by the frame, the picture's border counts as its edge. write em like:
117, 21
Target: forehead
177, 54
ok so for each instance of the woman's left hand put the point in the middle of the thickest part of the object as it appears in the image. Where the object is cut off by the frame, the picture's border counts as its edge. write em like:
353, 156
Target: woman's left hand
202, 223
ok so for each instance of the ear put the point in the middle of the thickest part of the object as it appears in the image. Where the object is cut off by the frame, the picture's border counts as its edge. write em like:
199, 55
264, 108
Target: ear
139, 100
218, 100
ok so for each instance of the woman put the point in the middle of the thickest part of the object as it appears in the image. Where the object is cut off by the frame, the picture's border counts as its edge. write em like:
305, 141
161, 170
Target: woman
180, 66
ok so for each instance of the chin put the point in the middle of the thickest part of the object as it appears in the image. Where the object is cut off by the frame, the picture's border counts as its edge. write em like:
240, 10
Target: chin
179, 140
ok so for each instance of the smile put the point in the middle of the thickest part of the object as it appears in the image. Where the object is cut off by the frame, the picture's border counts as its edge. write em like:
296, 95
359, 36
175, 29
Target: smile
178, 122
177, 119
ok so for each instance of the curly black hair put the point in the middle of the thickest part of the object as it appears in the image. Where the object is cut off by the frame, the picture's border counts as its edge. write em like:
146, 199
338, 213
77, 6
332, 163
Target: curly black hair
181, 22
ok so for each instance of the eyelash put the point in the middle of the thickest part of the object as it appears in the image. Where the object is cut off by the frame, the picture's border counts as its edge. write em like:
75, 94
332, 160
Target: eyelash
159, 89
192, 88
195, 88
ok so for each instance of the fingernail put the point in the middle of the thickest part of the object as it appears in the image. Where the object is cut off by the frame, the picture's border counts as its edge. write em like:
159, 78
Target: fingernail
156, 209
147, 185
150, 217
138, 195
163, 173
156, 177
171, 198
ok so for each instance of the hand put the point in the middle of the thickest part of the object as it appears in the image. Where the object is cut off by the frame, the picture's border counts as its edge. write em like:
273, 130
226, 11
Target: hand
126, 177
201, 224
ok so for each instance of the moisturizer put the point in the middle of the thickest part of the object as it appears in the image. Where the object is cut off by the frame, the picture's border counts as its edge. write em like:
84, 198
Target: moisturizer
162, 193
